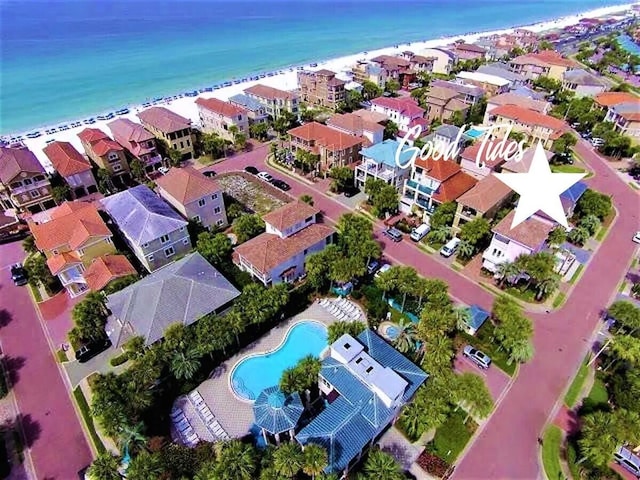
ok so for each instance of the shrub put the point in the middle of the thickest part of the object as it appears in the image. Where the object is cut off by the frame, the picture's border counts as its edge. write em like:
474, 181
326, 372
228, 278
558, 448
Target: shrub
432, 464
119, 360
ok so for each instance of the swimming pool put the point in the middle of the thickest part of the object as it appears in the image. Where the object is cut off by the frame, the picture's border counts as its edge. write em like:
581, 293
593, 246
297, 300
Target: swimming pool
253, 374
473, 133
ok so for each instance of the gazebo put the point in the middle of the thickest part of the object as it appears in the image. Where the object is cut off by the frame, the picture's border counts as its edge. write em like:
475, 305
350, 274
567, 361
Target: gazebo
276, 413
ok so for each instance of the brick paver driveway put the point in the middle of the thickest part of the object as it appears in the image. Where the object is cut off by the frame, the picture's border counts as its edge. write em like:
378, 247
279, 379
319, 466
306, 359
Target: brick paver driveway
53, 432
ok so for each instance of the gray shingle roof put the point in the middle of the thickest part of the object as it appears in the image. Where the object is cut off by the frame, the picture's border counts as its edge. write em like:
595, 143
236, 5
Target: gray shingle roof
142, 215
181, 292
448, 131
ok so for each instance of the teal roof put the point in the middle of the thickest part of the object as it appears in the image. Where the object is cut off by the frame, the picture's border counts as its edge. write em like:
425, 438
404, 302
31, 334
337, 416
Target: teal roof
385, 152
357, 415
477, 316
276, 412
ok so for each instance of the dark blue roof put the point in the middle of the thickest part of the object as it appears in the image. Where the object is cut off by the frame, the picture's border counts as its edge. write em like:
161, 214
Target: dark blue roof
574, 192
276, 412
478, 316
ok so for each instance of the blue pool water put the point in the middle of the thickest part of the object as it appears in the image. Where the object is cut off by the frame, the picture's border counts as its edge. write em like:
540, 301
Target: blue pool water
254, 374
473, 133
392, 332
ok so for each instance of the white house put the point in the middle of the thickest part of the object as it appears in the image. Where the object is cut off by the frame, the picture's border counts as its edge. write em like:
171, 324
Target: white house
583, 83
356, 125
403, 111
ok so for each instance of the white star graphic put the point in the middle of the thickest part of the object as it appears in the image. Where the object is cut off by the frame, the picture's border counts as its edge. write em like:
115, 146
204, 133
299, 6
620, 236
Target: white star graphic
539, 189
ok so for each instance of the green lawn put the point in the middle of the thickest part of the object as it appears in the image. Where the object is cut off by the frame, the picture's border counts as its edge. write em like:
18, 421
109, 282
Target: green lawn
598, 394
559, 300
576, 275
527, 295
36, 293
88, 419
452, 436
482, 341
551, 453
567, 169
61, 355
575, 388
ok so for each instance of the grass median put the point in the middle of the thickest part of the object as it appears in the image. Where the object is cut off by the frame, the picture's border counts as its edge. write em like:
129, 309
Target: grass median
575, 388
88, 419
551, 444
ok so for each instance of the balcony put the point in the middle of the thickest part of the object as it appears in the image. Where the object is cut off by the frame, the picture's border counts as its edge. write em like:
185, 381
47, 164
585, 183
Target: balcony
152, 160
469, 213
28, 188
71, 275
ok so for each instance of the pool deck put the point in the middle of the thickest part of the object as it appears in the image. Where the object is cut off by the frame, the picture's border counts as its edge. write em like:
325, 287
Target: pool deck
234, 415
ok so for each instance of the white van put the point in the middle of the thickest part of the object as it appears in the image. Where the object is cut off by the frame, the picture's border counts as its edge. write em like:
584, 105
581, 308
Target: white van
419, 232
628, 460
450, 248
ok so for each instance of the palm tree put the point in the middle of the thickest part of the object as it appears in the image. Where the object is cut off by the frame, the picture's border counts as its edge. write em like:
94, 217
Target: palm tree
235, 461
578, 236
131, 439
439, 234
463, 317
406, 281
625, 348
386, 281
473, 395
520, 352
591, 223
288, 459
406, 340
29, 245
413, 419
507, 270
145, 466
466, 249
381, 465
547, 286
438, 354
236, 323
184, 365
105, 467
314, 460
597, 439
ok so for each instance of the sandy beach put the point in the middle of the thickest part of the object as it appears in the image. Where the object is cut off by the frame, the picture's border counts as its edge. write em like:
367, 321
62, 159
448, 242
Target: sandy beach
286, 79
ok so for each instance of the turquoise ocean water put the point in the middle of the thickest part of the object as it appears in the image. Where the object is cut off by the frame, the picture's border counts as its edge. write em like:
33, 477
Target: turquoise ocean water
64, 60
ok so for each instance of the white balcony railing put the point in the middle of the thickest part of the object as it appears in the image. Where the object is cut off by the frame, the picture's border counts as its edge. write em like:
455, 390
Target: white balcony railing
28, 188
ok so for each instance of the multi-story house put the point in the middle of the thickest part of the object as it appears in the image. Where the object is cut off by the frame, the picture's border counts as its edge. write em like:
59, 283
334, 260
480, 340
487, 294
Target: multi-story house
156, 234
442, 103
582, 83
433, 182
217, 116
334, 148
363, 71
138, 141
534, 125
480, 160
469, 94
403, 111
24, 184
355, 125
274, 100
396, 68
623, 110
72, 236
507, 243
104, 152
491, 84
256, 112
468, 51
501, 70
546, 63
448, 139
105, 269
170, 127
321, 88
379, 162
365, 383
73, 167
484, 200
279, 254
194, 195
512, 98
443, 59
419, 63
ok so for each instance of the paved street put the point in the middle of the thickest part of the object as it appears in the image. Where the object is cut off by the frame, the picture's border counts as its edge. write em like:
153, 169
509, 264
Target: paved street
495, 379
54, 434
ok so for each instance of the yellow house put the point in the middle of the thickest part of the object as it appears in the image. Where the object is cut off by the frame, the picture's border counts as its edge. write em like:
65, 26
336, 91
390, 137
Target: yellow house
71, 236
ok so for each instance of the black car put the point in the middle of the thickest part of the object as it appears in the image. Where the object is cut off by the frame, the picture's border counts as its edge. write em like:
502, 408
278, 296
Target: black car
282, 185
18, 274
351, 191
209, 174
251, 170
90, 350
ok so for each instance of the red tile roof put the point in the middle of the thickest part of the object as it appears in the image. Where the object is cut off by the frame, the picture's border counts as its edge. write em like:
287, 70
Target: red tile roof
471, 154
553, 58
107, 268
220, 107
187, 184
290, 214
608, 99
100, 142
438, 169
60, 262
403, 105
270, 93
486, 194
510, 98
454, 186
131, 135
90, 135
325, 136
469, 47
267, 251
530, 117
164, 119
66, 159
530, 233
353, 123
72, 224
16, 160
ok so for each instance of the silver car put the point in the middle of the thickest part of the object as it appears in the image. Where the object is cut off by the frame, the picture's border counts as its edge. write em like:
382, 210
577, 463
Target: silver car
476, 356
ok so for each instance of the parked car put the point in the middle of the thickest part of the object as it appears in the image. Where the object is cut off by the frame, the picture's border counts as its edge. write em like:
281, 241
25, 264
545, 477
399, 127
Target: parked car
373, 267
18, 274
251, 170
393, 233
88, 351
383, 269
351, 191
450, 248
597, 142
563, 158
636, 237
420, 232
209, 174
163, 170
476, 356
265, 176
625, 458
282, 185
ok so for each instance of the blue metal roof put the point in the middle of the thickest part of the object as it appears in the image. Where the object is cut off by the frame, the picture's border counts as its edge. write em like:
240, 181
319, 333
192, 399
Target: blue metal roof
385, 152
478, 316
574, 192
246, 101
276, 412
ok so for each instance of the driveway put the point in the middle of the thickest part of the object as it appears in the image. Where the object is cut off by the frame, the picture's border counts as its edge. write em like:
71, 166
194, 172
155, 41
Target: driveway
494, 378
53, 432
77, 371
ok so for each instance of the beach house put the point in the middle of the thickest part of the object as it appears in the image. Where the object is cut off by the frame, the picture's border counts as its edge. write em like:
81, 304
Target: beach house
195, 196
365, 383
321, 88
443, 59
491, 84
105, 153
467, 93
71, 237
534, 125
278, 255
501, 70
403, 111
333, 147
379, 162
222, 118
468, 51
545, 63
24, 184
623, 110
274, 100
582, 83
364, 71
480, 161
419, 63
512, 98
396, 68
173, 129
138, 141
442, 103
180, 293
508, 243
256, 112
105, 269
433, 182
443, 136
151, 228
354, 124
483, 200
73, 167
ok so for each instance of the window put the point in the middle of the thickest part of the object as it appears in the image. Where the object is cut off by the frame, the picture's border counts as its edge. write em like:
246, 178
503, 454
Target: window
34, 193
164, 238
214, 196
55, 252
306, 250
113, 156
80, 252
216, 210
220, 222
27, 181
185, 241
38, 178
116, 167
196, 218
169, 251
188, 143
181, 144
182, 229
150, 257
201, 202
145, 245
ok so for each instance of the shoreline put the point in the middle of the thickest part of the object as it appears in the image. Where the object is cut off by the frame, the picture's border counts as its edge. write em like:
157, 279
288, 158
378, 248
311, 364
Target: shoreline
285, 79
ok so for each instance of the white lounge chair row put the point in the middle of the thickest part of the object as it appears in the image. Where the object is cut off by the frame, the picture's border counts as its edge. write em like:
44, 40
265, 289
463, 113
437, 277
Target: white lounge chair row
342, 309
207, 416
183, 427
